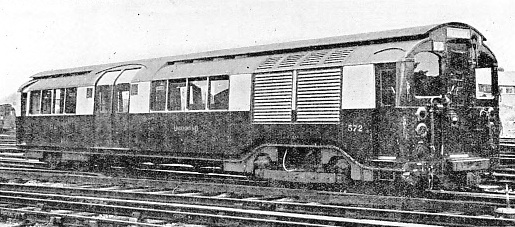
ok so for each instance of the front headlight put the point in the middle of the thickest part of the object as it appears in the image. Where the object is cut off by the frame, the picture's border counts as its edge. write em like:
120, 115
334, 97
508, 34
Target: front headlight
421, 130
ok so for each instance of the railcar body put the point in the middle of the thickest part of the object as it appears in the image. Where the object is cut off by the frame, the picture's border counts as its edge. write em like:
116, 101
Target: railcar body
507, 104
399, 105
7, 118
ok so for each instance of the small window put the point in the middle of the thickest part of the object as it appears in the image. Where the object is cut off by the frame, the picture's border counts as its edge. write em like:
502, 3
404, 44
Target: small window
89, 93
58, 101
35, 102
158, 95
70, 100
197, 89
177, 95
134, 89
46, 102
219, 93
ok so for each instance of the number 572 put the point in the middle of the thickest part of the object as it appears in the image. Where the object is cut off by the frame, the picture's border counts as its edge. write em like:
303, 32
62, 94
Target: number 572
355, 128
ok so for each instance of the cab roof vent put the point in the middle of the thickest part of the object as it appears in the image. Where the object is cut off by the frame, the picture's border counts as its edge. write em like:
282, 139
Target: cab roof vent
314, 58
269, 62
338, 56
291, 60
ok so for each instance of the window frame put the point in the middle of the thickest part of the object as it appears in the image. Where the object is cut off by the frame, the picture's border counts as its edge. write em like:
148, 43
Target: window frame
187, 83
63, 97
153, 96
45, 103
32, 101
435, 78
120, 89
210, 89
203, 98
66, 101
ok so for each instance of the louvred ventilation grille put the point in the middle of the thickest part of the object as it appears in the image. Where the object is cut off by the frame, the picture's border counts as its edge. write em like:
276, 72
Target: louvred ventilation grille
313, 58
273, 97
319, 95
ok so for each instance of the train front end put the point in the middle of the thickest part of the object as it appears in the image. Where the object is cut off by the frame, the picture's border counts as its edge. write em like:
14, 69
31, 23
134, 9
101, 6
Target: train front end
451, 91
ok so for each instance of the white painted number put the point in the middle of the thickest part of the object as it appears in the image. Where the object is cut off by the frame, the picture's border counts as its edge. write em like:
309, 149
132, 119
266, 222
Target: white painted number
355, 128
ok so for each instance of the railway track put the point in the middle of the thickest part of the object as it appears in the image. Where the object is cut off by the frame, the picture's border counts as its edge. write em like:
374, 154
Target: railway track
505, 172
220, 195
507, 152
220, 209
9, 154
294, 205
8, 141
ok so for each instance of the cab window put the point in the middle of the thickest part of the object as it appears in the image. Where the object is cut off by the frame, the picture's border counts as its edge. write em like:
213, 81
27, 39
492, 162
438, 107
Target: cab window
426, 76
484, 83
387, 78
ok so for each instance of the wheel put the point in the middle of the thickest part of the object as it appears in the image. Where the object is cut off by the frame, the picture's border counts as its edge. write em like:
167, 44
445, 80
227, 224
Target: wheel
53, 160
262, 161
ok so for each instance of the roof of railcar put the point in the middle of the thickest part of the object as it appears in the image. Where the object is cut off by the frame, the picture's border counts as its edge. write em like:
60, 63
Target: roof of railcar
347, 40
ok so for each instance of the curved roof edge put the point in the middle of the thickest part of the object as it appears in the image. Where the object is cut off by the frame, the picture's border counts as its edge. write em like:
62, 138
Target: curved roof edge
403, 34
459, 24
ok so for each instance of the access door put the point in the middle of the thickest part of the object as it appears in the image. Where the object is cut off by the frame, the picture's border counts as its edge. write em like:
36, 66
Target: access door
104, 93
112, 100
120, 118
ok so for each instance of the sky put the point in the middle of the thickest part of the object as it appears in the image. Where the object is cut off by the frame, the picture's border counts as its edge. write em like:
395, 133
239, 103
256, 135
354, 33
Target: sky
41, 35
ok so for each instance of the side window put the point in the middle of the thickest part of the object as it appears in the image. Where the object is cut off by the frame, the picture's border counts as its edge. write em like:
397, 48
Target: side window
219, 93
190, 94
35, 102
70, 100
197, 89
134, 89
58, 101
89, 93
177, 95
158, 95
46, 102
